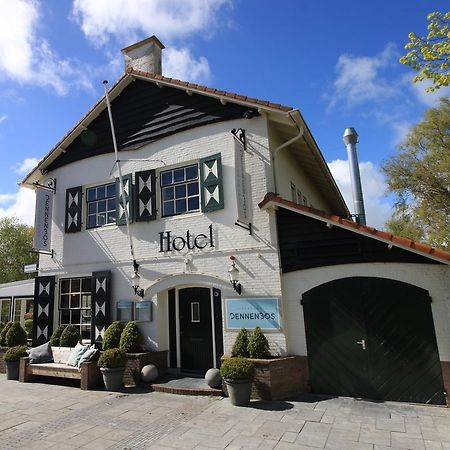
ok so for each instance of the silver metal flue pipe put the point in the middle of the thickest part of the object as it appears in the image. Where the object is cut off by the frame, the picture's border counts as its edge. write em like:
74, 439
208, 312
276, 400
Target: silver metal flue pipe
350, 139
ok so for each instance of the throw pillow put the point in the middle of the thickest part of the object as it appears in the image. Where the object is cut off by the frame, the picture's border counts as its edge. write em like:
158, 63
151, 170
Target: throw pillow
41, 354
88, 355
76, 354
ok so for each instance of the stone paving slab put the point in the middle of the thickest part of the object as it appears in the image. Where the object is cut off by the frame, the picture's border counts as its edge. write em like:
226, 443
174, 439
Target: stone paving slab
51, 416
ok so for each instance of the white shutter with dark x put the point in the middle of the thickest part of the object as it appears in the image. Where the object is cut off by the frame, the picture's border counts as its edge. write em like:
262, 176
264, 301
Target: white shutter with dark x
145, 195
126, 201
44, 291
73, 209
211, 183
101, 293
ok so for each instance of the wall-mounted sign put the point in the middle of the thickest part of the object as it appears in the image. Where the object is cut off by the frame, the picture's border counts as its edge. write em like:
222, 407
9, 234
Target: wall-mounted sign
43, 220
143, 311
168, 243
250, 313
124, 311
30, 268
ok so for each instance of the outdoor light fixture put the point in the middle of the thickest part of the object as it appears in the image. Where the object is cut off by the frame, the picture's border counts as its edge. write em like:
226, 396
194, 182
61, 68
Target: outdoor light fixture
135, 280
233, 271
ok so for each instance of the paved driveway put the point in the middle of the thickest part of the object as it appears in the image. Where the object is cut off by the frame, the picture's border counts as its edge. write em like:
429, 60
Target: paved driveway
41, 416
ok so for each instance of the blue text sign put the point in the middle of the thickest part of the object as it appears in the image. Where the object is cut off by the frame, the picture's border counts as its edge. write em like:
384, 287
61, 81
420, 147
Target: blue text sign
252, 312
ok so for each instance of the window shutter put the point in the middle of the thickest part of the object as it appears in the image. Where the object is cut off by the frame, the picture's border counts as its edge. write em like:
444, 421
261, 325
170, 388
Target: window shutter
127, 201
44, 293
73, 209
145, 195
211, 183
101, 293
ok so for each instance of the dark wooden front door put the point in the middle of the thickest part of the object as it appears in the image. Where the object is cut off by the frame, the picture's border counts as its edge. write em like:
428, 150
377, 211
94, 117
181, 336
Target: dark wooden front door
373, 338
196, 341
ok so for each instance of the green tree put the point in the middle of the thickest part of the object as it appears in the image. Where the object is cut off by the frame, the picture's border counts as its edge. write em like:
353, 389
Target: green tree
16, 244
430, 54
419, 176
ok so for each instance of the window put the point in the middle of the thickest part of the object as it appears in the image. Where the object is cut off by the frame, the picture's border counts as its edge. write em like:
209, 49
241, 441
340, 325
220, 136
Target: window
180, 190
101, 205
23, 309
75, 304
195, 312
5, 309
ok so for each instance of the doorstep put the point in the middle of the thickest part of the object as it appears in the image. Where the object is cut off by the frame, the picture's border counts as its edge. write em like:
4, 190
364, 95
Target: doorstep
184, 386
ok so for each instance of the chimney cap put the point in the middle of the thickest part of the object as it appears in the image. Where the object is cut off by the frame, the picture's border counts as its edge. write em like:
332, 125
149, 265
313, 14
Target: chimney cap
143, 42
350, 136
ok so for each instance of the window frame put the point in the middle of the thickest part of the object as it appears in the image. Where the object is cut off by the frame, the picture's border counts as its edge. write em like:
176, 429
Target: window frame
81, 293
20, 298
173, 184
10, 299
107, 211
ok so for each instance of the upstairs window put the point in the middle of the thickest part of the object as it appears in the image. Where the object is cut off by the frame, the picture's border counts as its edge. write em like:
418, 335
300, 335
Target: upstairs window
180, 190
101, 205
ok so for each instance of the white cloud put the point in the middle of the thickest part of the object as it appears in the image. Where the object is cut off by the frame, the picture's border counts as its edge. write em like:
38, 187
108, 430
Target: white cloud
3, 117
25, 166
430, 99
27, 57
22, 206
358, 78
125, 20
180, 63
6, 198
377, 209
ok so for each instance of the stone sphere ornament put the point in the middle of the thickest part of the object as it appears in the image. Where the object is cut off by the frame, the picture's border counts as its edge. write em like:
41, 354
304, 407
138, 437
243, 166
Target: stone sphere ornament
213, 378
149, 373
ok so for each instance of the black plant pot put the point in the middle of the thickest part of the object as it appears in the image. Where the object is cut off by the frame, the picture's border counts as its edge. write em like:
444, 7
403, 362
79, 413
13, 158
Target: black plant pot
12, 370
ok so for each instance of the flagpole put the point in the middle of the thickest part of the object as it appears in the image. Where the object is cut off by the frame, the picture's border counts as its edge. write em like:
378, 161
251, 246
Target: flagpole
121, 186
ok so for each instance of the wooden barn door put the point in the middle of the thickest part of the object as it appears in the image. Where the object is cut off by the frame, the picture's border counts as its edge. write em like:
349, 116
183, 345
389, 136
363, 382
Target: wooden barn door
373, 338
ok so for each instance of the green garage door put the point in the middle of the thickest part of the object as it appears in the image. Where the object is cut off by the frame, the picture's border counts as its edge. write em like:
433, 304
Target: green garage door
372, 338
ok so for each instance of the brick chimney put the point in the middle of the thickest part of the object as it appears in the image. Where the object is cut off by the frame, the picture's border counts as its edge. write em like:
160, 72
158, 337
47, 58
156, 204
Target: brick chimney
144, 56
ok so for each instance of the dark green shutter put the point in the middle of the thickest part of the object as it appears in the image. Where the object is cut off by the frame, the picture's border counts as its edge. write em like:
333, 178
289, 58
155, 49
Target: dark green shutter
126, 202
73, 209
101, 299
145, 196
44, 293
211, 183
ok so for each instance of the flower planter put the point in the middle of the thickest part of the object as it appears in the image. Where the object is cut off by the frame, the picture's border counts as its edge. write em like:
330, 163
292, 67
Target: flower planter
112, 378
239, 391
12, 370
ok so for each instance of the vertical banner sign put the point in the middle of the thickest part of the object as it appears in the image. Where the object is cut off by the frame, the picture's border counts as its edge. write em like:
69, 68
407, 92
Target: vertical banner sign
241, 191
43, 220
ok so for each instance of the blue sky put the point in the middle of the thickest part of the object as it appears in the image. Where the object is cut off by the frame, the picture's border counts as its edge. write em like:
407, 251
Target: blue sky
335, 61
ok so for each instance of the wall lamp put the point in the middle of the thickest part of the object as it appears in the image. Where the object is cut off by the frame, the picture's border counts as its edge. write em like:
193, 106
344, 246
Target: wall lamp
233, 271
135, 280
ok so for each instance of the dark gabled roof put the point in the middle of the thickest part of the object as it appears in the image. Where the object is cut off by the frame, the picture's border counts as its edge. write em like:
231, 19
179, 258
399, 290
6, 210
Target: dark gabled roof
420, 248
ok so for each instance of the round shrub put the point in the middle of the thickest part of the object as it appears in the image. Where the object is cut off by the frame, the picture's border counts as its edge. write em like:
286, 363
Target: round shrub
70, 336
2, 325
16, 335
131, 338
112, 358
55, 340
3, 334
258, 345
112, 336
29, 328
15, 353
240, 346
237, 369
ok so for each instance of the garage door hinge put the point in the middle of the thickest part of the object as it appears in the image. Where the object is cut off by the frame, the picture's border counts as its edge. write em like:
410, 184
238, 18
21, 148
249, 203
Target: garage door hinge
430, 299
301, 301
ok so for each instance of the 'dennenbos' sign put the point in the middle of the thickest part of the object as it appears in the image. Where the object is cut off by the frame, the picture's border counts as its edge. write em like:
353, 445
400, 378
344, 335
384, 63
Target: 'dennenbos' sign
43, 220
252, 312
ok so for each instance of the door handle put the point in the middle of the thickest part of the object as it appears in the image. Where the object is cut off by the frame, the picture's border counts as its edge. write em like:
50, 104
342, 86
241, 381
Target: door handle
362, 343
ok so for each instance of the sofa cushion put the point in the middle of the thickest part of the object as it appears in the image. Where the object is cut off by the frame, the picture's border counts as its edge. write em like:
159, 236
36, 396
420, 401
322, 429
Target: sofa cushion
88, 355
76, 354
41, 354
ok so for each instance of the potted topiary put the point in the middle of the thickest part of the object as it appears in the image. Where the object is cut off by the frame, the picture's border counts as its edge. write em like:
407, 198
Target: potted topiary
112, 336
28, 325
258, 346
240, 346
112, 365
12, 360
3, 334
70, 336
16, 335
131, 338
55, 340
238, 376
